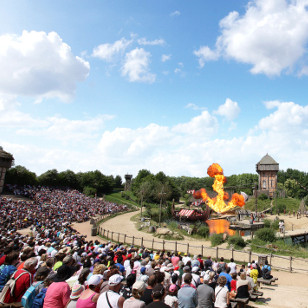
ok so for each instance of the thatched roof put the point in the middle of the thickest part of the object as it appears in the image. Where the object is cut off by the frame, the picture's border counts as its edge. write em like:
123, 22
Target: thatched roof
267, 160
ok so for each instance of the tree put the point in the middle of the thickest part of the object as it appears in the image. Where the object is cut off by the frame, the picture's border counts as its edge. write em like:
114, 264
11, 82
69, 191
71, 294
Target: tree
49, 178
68, 179
20, 175
118, 181
292, 188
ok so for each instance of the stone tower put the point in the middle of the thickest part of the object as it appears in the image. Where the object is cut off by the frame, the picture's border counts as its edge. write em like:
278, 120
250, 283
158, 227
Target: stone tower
6, 161
128, 181
267, 168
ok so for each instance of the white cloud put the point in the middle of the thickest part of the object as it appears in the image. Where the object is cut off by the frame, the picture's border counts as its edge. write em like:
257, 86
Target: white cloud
39, 65
136, 66
194, 106
205, 54
165, 58
229, 110
271, 36
144, 41
186, 148
108, 51
175, 13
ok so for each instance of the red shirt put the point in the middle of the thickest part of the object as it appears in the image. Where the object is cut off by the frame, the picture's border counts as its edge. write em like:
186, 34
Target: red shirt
233, 285
21, 286
2, 259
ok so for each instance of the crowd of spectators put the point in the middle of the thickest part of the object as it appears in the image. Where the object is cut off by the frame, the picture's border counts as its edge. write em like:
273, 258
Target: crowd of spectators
60, 268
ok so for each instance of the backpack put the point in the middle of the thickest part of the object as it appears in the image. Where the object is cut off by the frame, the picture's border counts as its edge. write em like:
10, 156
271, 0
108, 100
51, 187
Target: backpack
266, 273
38, 301
29, 296
10, 286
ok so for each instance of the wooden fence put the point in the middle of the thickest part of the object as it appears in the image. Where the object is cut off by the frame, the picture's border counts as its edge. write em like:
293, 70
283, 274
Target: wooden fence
278, 262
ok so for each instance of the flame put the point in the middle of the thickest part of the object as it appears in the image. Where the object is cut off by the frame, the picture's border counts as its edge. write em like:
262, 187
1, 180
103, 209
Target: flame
218, 203
220, 226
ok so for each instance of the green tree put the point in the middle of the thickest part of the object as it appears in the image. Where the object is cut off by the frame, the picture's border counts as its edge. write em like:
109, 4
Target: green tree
292, 188
118, 181
20, 175
68, 179
49, 178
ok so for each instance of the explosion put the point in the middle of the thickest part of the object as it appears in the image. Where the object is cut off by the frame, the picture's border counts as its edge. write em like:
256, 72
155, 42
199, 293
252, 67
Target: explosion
218, 204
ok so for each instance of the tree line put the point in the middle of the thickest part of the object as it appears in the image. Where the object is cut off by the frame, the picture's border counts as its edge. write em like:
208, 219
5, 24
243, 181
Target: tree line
153, 187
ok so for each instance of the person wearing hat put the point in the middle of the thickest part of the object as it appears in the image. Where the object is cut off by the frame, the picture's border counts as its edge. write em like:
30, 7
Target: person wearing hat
195, 276
171, 298
205, 293
89, 297
137, 291
77, 289
58, 293
112, 298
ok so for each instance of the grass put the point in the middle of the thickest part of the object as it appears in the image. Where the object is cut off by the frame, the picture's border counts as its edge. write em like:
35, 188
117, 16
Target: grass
117, 198
289, 203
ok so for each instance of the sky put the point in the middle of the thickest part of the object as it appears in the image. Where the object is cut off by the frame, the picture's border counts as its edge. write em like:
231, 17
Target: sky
162, 85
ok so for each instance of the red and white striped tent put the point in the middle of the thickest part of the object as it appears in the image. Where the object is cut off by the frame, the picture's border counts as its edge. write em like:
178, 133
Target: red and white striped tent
186, 213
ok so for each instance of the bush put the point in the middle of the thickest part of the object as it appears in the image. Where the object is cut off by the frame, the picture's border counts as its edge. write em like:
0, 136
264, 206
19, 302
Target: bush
275, 224
263, 197
236, 241
203, 231
267, 223
89, 191
216, 239
266, 234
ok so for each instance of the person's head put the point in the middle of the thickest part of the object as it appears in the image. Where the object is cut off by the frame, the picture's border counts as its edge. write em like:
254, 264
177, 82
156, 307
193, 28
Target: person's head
95, 282
222, 280
50, 262
30, 264
99, 269
11, 258
266, 262
173, 290
42, 273
159, 277
232, 260
64, 272
222, 259
219, 270
228, 269
158, 292
138, 289
234, 276
188, 278
115, 282
130, 280
206, 278
77, 289
68, 260
174, 278
152, 281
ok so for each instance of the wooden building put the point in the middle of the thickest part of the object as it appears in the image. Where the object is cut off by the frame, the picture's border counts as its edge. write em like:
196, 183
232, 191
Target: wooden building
267, 168
6, 161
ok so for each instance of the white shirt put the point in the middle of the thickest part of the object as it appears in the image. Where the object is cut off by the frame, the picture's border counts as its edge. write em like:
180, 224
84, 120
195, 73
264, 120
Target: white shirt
113, 300
232, 266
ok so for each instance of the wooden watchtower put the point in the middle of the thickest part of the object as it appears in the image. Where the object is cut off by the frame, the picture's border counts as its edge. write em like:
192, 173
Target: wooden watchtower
128, 181
267, 168
6, 161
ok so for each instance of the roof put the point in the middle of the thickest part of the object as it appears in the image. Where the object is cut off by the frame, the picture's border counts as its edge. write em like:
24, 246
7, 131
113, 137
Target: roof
186, 213
267, 160
5, 155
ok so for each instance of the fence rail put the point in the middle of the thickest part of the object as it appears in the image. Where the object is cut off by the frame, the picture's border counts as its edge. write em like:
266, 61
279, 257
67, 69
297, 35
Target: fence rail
277, 262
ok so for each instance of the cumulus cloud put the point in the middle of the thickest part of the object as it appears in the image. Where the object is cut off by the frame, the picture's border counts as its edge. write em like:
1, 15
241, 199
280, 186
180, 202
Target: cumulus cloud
271, 36
108, 51
39, 65
229, 110
165, 58
175, 13
136, 66
144, 41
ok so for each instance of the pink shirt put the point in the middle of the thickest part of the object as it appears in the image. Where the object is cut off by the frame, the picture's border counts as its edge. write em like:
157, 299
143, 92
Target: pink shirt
57, 295
175, 261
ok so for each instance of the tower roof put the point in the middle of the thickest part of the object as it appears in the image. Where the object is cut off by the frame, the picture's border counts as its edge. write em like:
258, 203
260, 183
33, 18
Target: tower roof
267, 160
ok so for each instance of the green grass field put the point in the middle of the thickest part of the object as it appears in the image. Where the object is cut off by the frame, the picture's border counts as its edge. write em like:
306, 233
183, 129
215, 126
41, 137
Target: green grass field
117, 198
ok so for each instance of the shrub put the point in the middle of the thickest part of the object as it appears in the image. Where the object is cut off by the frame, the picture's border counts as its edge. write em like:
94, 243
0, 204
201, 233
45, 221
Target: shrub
267, 223
263, 197
275, 224
203, 231
89, 191
216, 239
236, 241
266, 234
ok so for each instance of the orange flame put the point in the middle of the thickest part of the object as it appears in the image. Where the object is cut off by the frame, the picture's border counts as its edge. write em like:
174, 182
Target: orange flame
218, 203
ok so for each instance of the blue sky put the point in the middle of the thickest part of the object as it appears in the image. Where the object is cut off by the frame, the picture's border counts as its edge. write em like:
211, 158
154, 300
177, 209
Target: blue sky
121, 86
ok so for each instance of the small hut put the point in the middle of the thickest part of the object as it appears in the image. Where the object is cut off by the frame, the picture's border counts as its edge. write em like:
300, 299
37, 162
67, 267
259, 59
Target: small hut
6, 161
267, 168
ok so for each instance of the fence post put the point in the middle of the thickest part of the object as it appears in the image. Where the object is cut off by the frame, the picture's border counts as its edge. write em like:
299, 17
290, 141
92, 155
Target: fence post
249, 256
232, 253
133, 241
104, 232
290, 263
202, 250
270, 259
217, 253
124, 238
163, 244
118, 237
153, 243
108, 234
176, 246
141, 242
112, 235
187, 248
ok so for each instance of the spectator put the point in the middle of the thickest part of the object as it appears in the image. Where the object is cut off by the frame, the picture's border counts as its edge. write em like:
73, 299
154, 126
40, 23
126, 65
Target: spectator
222, 293
137, 291
158, 296
187, 295
205, 293
89, 297
147, 295
171, 299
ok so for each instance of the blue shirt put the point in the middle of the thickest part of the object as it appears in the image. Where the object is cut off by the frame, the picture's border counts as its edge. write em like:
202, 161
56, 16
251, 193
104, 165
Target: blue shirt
187, 297
229, 278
